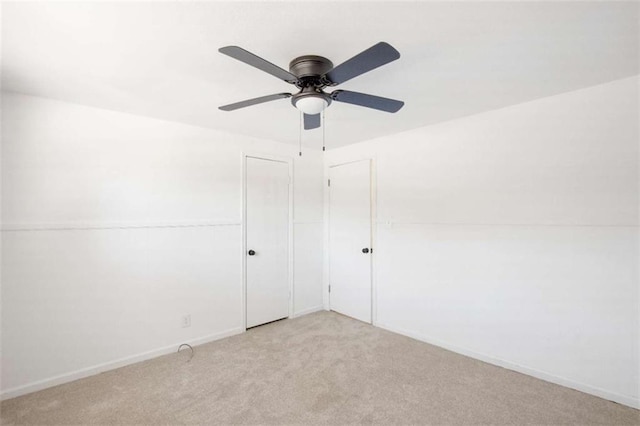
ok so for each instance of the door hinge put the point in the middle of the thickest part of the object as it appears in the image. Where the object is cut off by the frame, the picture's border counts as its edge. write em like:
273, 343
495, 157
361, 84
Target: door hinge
329, 288
328, 182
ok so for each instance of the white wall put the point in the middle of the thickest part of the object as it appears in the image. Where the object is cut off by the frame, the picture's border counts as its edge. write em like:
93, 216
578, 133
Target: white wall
512, 236
115, 225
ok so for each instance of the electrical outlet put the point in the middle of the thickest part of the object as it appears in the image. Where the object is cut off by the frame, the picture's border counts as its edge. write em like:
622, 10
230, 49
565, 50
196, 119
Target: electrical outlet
186, 321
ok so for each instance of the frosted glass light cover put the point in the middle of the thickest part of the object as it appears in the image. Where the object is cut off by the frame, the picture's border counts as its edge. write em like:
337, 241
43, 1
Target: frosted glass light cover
311, 104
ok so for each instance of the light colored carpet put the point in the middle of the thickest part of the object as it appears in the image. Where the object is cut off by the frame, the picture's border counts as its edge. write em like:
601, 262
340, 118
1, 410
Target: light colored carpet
322, 368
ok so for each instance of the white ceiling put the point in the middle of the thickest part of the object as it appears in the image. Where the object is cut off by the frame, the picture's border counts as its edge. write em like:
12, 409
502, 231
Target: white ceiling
160, 59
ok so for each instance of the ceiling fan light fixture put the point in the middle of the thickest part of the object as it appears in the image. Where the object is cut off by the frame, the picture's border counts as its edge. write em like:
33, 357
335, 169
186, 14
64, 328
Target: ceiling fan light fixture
312, 73
311, 105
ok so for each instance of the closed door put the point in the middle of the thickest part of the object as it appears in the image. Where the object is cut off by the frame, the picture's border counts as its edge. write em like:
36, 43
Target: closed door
267, 241
350, 239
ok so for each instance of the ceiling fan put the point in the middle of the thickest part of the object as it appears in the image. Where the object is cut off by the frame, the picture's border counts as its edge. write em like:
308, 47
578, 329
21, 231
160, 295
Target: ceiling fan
311, 74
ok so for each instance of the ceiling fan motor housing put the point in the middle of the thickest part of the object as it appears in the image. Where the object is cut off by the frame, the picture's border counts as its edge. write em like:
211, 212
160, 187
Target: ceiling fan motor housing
310, 69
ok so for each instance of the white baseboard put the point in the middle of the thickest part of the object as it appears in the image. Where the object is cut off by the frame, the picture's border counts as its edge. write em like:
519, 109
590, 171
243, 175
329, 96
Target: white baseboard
308, 311
97, 369
111, 365
562, 381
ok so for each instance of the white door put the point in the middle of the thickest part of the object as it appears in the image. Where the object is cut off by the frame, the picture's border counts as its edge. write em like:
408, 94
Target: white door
267, 241
350, 239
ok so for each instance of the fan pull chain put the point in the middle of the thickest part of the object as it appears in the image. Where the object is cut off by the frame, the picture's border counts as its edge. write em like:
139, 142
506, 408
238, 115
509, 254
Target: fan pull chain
300, 138
323, 130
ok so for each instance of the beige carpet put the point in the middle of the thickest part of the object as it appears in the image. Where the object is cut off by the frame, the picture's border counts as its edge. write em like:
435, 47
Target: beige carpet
322, 368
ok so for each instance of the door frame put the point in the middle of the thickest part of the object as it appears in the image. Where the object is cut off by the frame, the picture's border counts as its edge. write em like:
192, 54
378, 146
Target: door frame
374, 231
290, 258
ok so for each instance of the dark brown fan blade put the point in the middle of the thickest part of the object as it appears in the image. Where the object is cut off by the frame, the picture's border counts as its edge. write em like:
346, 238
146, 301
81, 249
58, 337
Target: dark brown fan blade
369, 101
311, 121
372, 58
254, 101
255, 61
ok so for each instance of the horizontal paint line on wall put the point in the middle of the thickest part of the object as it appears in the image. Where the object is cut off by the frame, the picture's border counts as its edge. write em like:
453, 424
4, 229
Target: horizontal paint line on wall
89, 226
542, 225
